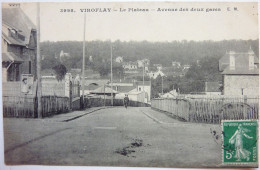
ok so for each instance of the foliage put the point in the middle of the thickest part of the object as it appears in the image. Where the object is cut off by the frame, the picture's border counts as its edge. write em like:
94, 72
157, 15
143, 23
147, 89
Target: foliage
186, 52
164, 53
60, 71
193, 81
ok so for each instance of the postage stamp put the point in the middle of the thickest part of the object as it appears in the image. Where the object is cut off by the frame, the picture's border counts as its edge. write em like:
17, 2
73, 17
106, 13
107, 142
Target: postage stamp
239, 141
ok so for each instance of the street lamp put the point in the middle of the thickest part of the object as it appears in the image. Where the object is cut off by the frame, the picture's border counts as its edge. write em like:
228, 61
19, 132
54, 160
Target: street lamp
83, 62
143, 74
38, 63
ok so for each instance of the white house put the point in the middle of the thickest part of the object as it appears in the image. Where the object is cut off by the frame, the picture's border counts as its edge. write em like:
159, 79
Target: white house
130, 65
158, 66
154, 75
141, 63
119, 59
146, 87
62, 54
176, 64
186, 66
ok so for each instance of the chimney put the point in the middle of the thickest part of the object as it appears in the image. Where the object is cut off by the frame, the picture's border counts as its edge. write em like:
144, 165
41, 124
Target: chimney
232, 65
251, 59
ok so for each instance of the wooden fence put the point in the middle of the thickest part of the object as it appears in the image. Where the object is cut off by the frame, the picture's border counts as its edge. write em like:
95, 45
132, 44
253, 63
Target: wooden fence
16, 104
19, 106
209, 110
52, 105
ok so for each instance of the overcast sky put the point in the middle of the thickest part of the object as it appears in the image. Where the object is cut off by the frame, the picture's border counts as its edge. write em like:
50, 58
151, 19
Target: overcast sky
150, 26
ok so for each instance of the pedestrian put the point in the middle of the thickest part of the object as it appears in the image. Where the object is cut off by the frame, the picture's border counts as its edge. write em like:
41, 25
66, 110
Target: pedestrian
126, 101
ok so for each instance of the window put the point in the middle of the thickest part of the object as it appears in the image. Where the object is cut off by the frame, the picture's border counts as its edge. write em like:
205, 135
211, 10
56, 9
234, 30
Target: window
140, 89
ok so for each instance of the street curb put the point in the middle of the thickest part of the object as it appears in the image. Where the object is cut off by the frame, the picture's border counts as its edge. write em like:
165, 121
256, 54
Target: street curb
76, 117
170, 115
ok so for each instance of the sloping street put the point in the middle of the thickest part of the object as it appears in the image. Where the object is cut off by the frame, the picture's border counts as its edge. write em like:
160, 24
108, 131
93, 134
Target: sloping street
112, 137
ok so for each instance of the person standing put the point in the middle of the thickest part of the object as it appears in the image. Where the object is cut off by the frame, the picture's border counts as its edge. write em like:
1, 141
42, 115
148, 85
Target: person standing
126, 101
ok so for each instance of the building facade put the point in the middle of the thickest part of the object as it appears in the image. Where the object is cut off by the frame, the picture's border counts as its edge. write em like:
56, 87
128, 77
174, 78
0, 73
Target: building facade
19, 44
240, 73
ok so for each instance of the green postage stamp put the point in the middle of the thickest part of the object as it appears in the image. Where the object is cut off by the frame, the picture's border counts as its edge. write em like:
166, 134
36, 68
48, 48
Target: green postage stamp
239, 141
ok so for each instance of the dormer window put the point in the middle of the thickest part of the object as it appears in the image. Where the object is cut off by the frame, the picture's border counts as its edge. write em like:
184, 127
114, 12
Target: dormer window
13, 33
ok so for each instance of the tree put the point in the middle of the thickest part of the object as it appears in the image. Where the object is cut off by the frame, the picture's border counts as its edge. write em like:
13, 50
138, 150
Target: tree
60, 71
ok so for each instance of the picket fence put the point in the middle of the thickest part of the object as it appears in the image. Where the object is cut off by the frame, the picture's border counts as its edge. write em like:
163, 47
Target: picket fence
209, 110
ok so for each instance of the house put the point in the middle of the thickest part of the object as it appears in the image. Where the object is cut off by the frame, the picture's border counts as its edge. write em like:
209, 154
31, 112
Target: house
154, 75
144, 62
146, 87
213, 88
119, 59
62, 54
240, 73
93, 84
19, 44
138, 96
104, 91
176, 64
158, 66
186, 67
130, 65
136, 90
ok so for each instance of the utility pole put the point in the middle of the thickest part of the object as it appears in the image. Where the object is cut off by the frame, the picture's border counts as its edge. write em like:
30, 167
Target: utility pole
111, 50
104, 95
143, 74
83, 62
143, 81
39, 87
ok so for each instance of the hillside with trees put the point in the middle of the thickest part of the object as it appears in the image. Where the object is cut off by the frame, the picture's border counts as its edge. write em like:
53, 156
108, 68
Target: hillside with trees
186, 52
164, 53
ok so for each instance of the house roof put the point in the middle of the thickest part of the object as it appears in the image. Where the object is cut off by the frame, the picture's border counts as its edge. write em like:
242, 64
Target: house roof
212, 87
102, 90
17, 19
240, 59
240, 71
125, 89
99, 82
11, 40
9, 56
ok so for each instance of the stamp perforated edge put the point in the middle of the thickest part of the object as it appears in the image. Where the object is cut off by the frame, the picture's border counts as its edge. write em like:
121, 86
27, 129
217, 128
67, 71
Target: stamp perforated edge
240, 163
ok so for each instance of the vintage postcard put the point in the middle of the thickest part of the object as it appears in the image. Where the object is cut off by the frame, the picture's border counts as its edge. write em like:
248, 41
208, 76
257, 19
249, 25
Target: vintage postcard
130, 84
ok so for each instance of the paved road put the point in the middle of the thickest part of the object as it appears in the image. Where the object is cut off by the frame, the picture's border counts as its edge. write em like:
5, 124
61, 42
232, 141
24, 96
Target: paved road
111, 137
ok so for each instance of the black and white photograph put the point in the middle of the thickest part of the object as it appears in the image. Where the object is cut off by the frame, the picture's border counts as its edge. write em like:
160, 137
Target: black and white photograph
130, 84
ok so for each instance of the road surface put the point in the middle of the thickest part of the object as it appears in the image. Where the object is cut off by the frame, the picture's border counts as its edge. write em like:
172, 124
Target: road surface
112, 137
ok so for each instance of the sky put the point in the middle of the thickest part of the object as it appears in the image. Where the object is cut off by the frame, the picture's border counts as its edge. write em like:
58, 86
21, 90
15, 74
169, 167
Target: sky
153, 25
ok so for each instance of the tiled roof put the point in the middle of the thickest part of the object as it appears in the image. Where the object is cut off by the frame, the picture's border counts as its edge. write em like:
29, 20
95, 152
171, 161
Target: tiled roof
17, 19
